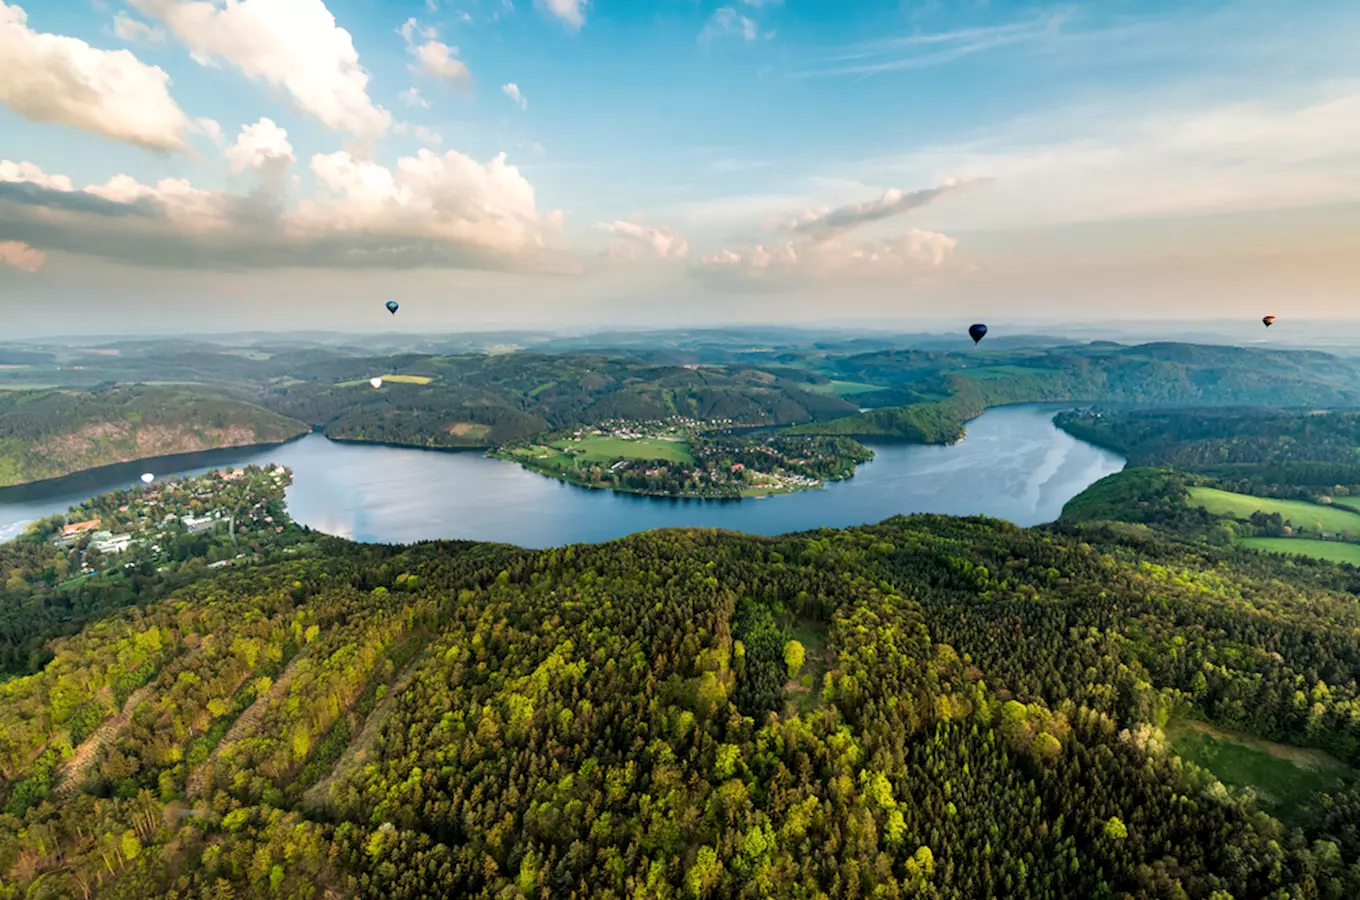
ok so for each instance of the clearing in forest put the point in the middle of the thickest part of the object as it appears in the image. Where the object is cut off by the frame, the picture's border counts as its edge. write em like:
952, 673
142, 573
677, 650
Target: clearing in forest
77, 768
1310, 517
1332, 551
360, 749
1284, 778
244, 724
804, 693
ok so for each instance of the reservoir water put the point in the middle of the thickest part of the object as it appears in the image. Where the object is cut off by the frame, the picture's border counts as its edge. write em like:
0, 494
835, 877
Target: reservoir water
1014, 464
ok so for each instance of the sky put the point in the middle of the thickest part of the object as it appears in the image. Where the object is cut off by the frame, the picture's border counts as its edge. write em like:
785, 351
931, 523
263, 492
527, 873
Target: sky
188, 165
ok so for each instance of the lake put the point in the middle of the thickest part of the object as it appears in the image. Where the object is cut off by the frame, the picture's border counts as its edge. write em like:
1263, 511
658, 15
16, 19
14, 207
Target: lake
1014, 464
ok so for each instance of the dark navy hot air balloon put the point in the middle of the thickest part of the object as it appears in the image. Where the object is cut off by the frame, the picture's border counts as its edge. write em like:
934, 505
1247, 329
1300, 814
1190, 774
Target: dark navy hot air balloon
392, 307
977, 332
1269, 320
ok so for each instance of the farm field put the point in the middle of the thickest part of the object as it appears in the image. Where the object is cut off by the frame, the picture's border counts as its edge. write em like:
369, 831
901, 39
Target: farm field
390, 379
1303, 516
844, 388
1283, 777
604, 449
1332, 551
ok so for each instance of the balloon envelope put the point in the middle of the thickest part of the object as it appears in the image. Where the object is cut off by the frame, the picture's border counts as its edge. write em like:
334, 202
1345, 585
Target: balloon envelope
148, 478
376, 382
1269, 320
977, 332
392, 307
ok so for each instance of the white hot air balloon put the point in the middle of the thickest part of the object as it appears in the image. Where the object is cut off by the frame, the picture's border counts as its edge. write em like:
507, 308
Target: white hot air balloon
376, 382
148, 478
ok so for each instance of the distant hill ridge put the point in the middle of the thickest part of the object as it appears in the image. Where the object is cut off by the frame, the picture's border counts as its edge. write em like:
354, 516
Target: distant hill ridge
48, 434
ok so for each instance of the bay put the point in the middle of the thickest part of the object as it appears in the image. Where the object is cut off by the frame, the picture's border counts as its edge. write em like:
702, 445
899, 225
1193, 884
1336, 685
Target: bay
1014, 464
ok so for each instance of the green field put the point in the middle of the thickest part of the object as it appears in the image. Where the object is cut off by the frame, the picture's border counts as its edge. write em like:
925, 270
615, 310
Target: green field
604, 449
1284, 777
844, 388
1303, 516
393, 379
1332, 551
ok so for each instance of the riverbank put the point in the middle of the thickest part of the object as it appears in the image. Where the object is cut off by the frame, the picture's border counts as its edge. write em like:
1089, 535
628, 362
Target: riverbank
1015, 465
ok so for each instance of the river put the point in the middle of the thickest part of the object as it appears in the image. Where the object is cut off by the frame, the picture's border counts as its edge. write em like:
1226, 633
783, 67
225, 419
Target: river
1014, 464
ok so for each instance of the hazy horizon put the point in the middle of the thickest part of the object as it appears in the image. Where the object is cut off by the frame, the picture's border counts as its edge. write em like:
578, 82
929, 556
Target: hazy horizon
172, 166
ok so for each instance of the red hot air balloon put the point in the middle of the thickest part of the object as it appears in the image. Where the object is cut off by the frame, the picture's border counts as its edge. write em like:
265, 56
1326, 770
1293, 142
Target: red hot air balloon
1269, 320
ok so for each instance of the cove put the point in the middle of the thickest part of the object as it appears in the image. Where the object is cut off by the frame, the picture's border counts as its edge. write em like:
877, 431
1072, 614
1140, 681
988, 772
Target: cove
1014, 464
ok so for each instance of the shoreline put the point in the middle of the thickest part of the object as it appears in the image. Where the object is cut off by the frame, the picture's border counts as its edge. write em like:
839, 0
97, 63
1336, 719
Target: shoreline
14, 492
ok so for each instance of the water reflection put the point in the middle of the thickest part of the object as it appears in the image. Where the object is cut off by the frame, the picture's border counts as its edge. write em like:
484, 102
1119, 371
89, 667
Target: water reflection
1014, 465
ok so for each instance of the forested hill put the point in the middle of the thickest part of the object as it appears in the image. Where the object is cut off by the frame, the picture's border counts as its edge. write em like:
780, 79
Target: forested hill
929, 707
937, 393
47, 434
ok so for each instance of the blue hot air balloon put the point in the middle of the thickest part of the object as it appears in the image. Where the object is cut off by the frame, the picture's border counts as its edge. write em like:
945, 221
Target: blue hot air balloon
392, 307
977, 332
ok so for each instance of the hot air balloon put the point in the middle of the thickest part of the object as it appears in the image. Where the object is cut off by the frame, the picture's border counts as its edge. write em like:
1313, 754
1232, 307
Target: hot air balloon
376, 382
977, 332
1269, 320
392, 307
148, 478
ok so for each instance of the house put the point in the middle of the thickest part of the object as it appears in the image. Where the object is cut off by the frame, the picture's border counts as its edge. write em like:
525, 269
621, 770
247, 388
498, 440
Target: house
114, 543
201, 523
79, 528
738, 467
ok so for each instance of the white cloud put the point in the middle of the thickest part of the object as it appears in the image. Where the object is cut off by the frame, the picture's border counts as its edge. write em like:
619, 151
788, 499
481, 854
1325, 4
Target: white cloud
571, 12
411, 97
292, 44
54, 78
433, 57
443, 210
666, 243
449, 197
209, 128
262, 148
819, 244
21, 256
133, 31
727, 21
512, 91
30, 173
438, 59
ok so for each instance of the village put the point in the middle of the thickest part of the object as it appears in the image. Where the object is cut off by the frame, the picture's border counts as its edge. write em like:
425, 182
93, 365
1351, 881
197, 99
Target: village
690, 458
216, 517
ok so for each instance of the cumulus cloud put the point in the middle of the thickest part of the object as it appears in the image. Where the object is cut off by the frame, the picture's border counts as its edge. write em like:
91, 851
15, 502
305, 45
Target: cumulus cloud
433, 57
512, 91
291, 44
632, 237
411, 97
31, 173
438, 59
571, 12
727, 21
820, 243
262, 148
134, 31
444, 210
54, 78
21, 256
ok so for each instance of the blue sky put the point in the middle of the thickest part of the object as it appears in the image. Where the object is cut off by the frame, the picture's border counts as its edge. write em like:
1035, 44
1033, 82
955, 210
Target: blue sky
673, 160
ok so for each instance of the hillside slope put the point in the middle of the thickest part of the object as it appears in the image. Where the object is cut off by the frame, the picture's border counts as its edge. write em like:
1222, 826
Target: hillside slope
47, 434
970, 710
